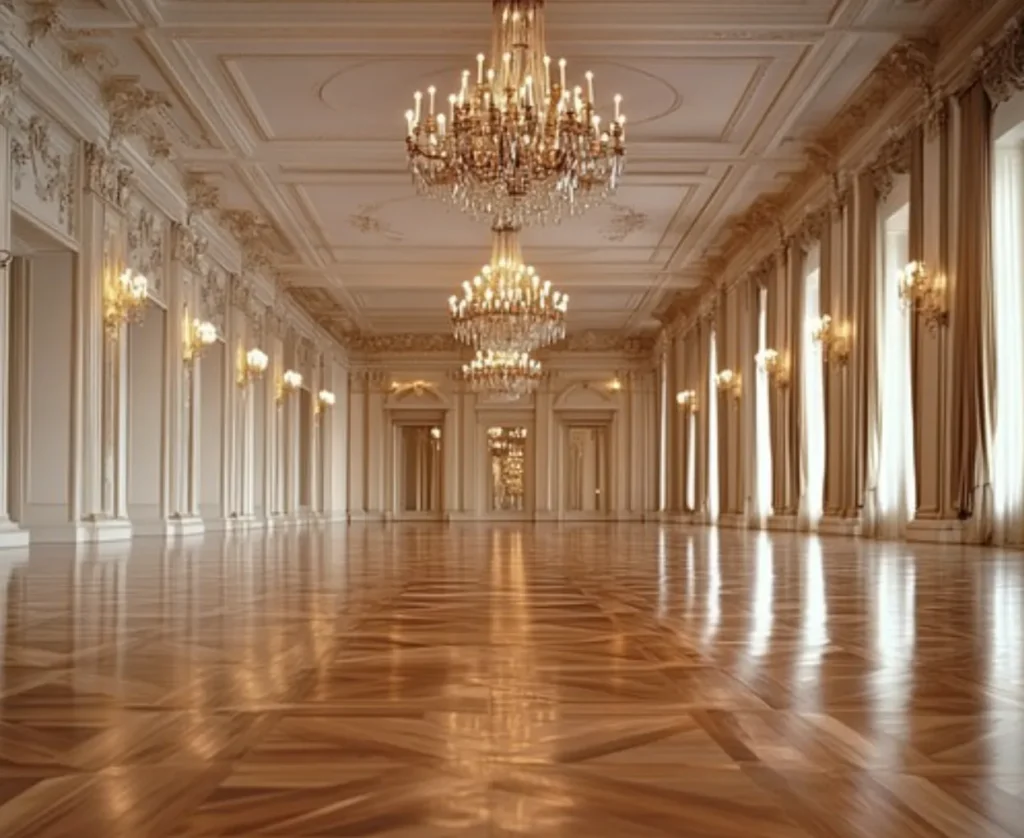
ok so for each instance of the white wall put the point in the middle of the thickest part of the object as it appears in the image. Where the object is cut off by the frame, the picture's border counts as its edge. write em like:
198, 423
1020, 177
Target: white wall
145, 415
48, 418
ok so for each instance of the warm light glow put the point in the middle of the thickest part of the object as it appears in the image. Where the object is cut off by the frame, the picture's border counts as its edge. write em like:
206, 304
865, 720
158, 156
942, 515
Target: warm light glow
292, 380
834, 339
254, 364
517, 143
506, 308
728, 381
776, 366
124, 300
325, 398
615, 385
503, 375
199, 334
687, 399
923, 292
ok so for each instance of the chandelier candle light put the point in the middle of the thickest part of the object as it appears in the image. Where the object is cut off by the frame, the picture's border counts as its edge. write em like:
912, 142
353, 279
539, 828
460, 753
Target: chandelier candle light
253, 366
506, 376
507, 308
517, 145
198, 335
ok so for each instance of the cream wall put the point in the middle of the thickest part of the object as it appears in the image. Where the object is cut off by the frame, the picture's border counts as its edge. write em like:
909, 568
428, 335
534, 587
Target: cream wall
611, 391
106, 433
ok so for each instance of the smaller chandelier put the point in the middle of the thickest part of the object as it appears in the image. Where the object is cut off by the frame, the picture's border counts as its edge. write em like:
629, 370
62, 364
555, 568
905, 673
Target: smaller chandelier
125, 300
727, 382
506, 308
506, 376
199, 334
924, 293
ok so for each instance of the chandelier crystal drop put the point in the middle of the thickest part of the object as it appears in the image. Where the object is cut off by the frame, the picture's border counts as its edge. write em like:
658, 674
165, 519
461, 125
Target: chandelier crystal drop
517, 144
504, 376
507, 308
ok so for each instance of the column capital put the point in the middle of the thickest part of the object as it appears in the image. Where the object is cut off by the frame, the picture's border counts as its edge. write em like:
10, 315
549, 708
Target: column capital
106, 176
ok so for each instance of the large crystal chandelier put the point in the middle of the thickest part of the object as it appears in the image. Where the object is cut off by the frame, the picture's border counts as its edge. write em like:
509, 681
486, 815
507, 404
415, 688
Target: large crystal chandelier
507, 308
504, 376
518, 145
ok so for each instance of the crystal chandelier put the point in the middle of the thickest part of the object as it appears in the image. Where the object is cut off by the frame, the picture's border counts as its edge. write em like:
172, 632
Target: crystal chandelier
506, 308
505, 376
517, 145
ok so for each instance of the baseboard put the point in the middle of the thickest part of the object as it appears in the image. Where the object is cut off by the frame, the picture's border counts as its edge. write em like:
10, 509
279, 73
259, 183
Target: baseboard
153, 528
733, 521
938, 531
361, 515
100, 531
12, 537
187, 527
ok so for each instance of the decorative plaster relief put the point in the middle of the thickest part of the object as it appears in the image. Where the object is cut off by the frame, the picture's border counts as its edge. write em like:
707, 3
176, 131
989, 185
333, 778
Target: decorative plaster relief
106, 176
146, 237
188, 247
404, 343
43, 174
1000, 65
592, 341
367, 221
136, 111
213, 296
625, 221
10, 84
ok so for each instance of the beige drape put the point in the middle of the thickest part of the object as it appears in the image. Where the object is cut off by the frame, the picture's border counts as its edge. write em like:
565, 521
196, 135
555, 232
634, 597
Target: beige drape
704, 394
795, 448
864, 355
724, 406
825, 307
972, 324
915, 250
776, 298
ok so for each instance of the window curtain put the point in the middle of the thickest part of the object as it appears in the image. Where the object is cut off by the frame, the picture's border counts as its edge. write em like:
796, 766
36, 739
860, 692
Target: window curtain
895, 495
713, 497
973, 343
814, 397
1008, 296
863, 366
763, 442
795, 449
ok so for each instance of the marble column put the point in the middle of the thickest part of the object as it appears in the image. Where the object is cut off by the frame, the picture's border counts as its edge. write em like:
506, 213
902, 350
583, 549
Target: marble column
10, 534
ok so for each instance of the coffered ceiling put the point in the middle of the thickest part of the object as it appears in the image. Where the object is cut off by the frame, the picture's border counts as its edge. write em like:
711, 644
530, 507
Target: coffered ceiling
293, 108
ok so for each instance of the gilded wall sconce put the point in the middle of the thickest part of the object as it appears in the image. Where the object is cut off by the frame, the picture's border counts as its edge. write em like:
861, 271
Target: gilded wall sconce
772, 362
324, 400
728, 382
253, 365
289, 383
124, 300
687, 400
199, 334
834, 339
924, 292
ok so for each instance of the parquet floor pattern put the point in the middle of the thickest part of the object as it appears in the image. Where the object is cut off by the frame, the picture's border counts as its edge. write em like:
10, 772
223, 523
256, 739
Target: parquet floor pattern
593, 681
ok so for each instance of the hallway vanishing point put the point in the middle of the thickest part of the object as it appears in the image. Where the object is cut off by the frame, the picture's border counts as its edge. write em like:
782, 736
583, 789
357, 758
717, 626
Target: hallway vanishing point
592, 680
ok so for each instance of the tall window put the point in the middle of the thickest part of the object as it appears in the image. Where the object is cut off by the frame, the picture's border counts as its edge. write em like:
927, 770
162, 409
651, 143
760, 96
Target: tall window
896, 500
712, 433
814, 392
1008, 277
762, 420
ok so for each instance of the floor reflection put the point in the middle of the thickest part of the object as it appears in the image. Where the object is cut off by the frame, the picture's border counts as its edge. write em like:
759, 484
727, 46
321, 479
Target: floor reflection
423, 680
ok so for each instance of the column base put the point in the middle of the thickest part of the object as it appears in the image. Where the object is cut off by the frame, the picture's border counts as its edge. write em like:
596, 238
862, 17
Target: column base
218, 524
154, 528
733, 521
247, 523
938, 531
186, 526
834, 525
98, 531
376, 517
12, 536
783, 523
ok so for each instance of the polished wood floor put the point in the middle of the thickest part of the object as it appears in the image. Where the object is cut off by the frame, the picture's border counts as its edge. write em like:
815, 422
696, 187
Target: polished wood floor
592, 681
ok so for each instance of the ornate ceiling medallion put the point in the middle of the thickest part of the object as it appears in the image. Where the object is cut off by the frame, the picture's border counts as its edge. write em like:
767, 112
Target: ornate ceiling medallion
507, 308
517, 144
